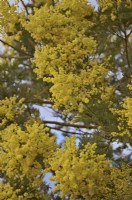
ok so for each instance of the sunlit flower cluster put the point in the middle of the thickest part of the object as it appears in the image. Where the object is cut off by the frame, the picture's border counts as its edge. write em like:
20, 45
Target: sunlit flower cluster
10, 108
125, 116
65, 51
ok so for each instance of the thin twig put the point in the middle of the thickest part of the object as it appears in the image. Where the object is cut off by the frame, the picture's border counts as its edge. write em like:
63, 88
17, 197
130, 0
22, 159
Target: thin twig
67, 132
24, 7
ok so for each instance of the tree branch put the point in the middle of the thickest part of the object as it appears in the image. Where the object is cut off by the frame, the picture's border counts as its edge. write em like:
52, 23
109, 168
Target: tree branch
68, 124
53, 2
16, 57
16, 49
126, 49
37, 101
8, 4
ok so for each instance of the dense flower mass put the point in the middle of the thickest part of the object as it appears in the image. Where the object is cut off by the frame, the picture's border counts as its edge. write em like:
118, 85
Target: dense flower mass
23, 154
83, 173
67, 57
65, 53
23, 147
